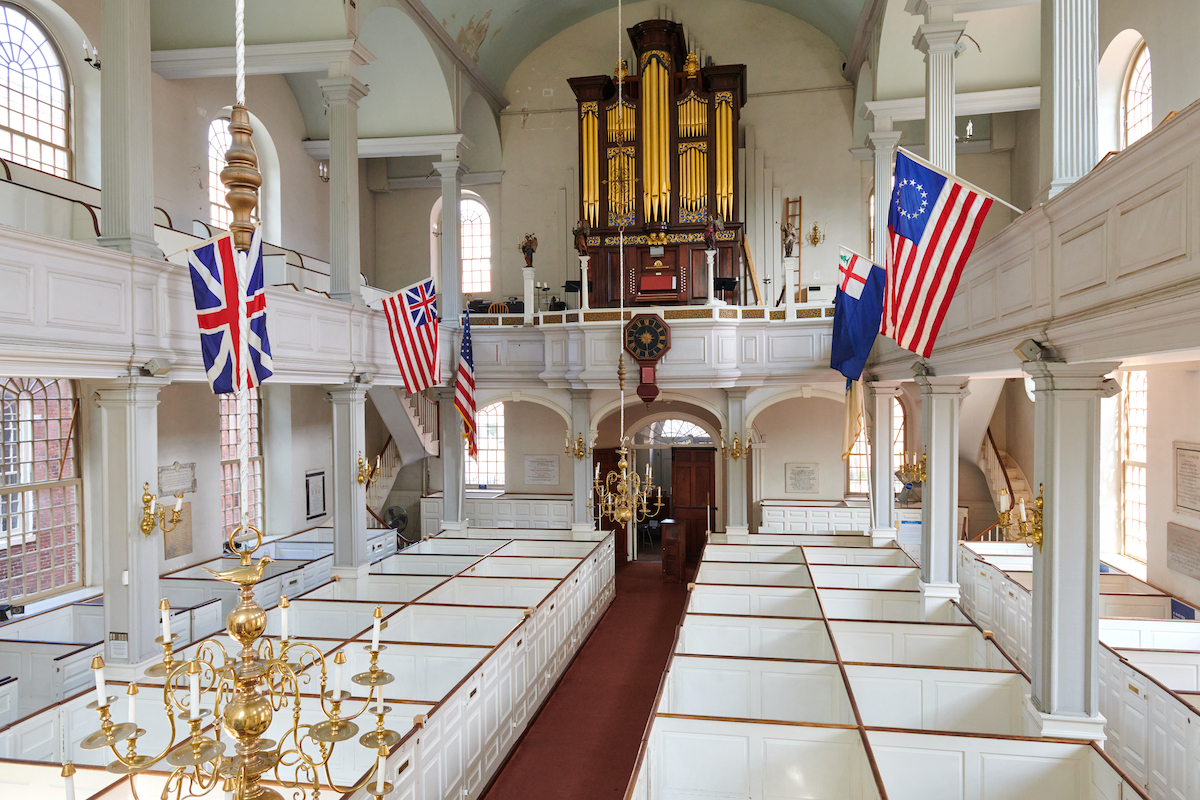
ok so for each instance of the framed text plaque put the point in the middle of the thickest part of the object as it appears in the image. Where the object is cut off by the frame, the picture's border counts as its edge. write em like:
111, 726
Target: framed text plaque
1187, 478
314, 493
801, 478
1183, 550
541, 470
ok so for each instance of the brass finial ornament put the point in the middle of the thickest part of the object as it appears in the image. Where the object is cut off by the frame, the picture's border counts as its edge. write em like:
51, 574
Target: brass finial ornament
622, 70
691, 67
241, 178
621, 372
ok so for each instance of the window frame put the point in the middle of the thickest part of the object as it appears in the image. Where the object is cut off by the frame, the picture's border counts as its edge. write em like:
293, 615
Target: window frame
1127, 463
487, 456
1127, 86
859, 453
480, 275
68, 121
230, 481
899, 441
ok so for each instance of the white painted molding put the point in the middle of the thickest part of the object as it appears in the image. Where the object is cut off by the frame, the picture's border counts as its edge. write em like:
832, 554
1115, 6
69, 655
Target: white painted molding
996, 101
434, 182
438, 34
868, 18
396, 146
921, 7
261, 59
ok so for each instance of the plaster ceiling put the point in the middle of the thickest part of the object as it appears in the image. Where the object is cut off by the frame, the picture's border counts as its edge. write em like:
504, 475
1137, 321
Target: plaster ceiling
177, 25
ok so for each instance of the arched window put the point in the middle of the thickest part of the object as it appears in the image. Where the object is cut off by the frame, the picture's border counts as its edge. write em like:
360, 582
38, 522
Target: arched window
899, 439
858, 466
231, 482
476, 246
1138, 99
1133, 513
33, 96
40, 488
487, 468
219, 140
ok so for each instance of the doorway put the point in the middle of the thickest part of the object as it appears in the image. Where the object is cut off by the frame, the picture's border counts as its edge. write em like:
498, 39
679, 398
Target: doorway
693, 494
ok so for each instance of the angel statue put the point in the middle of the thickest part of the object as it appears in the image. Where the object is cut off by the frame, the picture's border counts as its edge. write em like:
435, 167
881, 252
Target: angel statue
787, 232
581, 232
711, 226
528, 247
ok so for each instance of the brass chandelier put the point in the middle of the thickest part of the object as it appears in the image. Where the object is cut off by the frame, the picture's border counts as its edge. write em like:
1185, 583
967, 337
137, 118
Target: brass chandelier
245, 690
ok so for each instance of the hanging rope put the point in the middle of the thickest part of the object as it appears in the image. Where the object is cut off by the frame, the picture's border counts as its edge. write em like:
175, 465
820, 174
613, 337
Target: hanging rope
243, 359
239, 22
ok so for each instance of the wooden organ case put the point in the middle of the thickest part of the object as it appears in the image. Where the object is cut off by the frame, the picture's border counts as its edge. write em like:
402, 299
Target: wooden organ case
658, 155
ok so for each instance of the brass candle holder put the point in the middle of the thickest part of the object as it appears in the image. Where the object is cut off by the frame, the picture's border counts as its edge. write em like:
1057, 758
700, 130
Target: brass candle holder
913, 469
155, 514
1027, 527
624, 495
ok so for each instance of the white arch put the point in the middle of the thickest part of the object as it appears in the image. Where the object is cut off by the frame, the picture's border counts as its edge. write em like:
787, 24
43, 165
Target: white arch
494, 397
804, 393
674, 397
1113, 69
269, 194
636, 426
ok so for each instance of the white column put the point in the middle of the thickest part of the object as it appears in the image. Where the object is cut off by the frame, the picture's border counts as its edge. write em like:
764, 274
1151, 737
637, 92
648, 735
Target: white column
581, 468
351, 555
1070, 60
453, 459
938, 38
126, 128
342, 95
277, 457
880, 396
940, 399
126, 454
1066, 569
736, 519
450, 282
710, 258
585, 300
883, 145
527, 274
791, 282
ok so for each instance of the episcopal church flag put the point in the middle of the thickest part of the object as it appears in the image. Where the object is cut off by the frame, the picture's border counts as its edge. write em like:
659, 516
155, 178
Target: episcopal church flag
464, 387
858, 308
933, 222
412, 320
228, 288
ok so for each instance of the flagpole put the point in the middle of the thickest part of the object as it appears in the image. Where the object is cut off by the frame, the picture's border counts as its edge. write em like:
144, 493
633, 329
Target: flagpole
860, 255
968, 184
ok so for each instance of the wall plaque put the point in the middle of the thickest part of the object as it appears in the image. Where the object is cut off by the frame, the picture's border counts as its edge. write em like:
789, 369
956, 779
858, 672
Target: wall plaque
1187, 478
179, 541
541, 470
176, 478
801, 478
1183, 550
314, 493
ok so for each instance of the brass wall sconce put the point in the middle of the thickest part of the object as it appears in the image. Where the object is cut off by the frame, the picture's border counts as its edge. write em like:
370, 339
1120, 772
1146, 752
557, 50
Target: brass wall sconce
366, 473
735, 449
579, 449
1027, 527
815, 236
913, 469
154, 513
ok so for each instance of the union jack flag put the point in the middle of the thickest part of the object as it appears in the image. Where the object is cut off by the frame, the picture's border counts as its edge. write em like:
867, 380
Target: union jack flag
412, 320
223, 312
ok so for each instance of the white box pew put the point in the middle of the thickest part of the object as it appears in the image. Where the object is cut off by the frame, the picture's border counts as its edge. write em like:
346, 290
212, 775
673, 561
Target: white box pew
1011, 563
960, 701
1137, 605
805, 539
522, 592
978, 768
300, 549
400, 588
1120, 583
408, 563
842, 576
757, 637
522, 567
559, 549
769, 601
425, 673
8, 700
858, 556
916, 644
452, 624
1150, 634
47, 672
463, 547
690, 758
74, 622
327, 619
753, 574
532, 533
987, 550
192, 586
26, 780
746, 688
872, 604
1178, 670
205, 619
772, 553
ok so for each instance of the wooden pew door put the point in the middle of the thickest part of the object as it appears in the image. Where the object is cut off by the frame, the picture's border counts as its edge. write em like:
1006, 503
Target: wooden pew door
606, 457
693, 485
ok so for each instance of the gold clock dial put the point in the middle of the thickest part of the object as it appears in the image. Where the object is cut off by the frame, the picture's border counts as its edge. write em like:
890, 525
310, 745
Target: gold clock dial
646, 338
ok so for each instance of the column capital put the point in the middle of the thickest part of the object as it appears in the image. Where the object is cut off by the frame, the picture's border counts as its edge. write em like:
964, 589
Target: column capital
938, 37
1058, 376
347, 392
452, 168
581, 394
736, 393
343, 89
885, 388
936, 384
884, 142
121, 391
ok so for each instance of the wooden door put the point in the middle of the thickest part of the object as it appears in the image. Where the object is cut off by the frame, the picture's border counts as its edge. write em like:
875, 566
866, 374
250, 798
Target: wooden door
693, 484
607, 458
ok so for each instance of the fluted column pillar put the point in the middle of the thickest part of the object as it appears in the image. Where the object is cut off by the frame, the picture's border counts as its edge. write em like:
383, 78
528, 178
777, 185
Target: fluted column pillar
883, 145
938, 40
581, 468
126, 129
351, 554
342, 95
1070, 61
454, 472
940, 398
737, 520
450, 278
1065, 674
880, 396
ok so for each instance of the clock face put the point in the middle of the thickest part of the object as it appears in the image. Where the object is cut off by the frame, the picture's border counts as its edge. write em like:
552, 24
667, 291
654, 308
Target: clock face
647, 337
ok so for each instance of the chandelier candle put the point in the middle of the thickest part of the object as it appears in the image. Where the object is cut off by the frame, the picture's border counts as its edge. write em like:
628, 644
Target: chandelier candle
379, 770
194, 685
132, 693
68, 774
165, 607
375, 627
101, 689
283, 618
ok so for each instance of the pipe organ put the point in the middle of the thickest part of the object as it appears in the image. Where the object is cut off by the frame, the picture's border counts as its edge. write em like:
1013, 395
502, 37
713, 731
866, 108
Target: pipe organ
658, 157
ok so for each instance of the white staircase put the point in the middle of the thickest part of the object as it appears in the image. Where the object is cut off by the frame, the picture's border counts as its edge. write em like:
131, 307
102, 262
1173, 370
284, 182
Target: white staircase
389, 467
412, 421
1002, 472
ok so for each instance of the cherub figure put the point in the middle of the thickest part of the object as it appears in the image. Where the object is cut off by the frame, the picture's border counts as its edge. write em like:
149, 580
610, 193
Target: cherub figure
528, 247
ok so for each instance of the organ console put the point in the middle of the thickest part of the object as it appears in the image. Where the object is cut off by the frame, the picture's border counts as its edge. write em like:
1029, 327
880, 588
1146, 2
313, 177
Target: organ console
658, 158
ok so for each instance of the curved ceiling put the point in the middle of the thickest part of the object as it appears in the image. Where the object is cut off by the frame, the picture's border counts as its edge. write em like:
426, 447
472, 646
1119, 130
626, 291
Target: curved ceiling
501, 33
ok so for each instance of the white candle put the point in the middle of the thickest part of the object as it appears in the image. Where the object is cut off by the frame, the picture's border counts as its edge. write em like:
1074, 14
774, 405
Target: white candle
597, 471
101, 689
133, 704
375, 628
165, 608
1005, 501
283, 618
179, 502
153, 506
195, 689
379, 771
1021, 507
69, 769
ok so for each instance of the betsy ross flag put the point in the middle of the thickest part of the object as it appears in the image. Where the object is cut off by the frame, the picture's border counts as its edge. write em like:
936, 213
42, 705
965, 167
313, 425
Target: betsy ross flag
230, 302
933, 222
412, 320
464, 387
858, 308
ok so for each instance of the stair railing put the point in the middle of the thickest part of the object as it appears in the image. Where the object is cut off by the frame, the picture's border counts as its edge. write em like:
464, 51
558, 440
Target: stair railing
993, 467
389, 465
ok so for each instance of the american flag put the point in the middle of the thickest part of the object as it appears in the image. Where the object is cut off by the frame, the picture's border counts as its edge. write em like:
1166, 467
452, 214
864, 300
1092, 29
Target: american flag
932, 226
464, 387
412, 320
221, 308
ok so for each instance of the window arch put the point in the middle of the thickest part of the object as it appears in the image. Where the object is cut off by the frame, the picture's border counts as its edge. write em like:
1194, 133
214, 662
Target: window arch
487, 468
899, 439
33, 96
41, 533
219, 142
1137, 101
476, 246
672, 433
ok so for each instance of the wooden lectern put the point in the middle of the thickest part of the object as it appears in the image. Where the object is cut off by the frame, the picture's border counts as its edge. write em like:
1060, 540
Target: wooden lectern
674, 551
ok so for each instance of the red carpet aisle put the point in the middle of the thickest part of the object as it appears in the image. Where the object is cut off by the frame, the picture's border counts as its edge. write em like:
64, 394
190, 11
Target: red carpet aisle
584, 743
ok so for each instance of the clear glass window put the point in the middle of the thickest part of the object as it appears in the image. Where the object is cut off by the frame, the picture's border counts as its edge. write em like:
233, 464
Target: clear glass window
33, 96
487, 468
1139, 97
476, 246
1133, 516
231, 465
